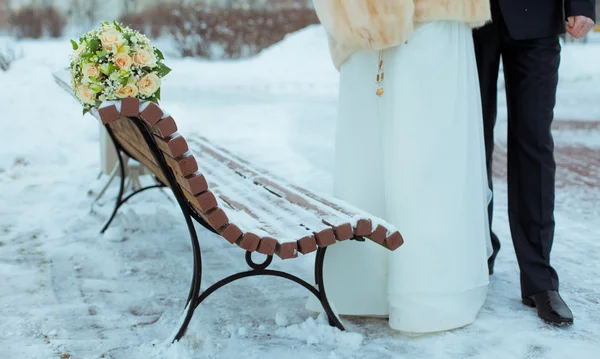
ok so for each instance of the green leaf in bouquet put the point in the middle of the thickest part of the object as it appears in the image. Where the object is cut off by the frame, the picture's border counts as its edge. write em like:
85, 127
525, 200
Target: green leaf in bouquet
159, 54
124, 81
102, 53
74, 44
152, 99
96, 88
95, 45
94, 79
86, 110
163, 70
117, 26
157, 94
107, 69
87, 55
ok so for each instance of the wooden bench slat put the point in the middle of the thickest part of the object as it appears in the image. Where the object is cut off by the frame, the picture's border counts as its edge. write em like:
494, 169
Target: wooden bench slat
151, 114
143, 153
185, 165
144, 161
287, 250
165, 127
108, 114
173, 145
130, 107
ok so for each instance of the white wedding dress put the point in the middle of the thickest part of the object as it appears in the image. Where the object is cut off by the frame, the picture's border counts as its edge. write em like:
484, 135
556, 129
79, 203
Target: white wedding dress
415, 157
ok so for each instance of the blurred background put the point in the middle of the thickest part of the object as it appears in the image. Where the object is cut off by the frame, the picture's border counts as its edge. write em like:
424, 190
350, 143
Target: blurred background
254, 76
213, 29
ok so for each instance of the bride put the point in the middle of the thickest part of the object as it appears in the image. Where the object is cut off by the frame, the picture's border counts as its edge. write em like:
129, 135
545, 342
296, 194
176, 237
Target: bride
409, 149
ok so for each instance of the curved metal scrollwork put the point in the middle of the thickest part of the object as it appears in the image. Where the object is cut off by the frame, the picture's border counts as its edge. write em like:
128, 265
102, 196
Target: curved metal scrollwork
256, 266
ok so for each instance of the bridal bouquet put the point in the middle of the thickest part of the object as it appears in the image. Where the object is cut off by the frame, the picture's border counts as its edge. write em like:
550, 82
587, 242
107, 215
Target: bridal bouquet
113, 62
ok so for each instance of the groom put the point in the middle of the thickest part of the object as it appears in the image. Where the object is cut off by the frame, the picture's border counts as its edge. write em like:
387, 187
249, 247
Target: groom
525, 34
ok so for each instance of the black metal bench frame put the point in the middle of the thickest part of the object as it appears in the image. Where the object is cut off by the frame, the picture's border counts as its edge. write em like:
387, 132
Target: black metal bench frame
195, 297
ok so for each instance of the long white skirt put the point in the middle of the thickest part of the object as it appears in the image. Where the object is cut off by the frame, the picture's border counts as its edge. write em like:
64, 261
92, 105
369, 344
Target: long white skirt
414, 157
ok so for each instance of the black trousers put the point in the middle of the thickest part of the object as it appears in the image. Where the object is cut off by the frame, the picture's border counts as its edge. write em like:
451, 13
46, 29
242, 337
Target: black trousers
531, 78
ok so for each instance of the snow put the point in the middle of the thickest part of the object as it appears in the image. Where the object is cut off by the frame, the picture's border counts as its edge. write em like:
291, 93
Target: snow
66, 290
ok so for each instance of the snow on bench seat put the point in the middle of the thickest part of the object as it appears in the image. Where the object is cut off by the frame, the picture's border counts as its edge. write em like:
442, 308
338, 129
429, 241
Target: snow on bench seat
248, 206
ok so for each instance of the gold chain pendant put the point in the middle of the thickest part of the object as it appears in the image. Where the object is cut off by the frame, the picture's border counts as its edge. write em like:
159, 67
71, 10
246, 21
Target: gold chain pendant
380, 76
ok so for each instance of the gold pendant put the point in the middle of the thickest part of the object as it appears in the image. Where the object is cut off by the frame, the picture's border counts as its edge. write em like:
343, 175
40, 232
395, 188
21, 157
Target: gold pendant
380, 76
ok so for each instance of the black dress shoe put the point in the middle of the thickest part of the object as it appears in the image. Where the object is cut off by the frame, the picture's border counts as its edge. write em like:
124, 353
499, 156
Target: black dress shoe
496, 247
550, 307
491, 262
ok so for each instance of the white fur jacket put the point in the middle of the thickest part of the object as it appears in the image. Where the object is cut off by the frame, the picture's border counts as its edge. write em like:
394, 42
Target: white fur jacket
355, 25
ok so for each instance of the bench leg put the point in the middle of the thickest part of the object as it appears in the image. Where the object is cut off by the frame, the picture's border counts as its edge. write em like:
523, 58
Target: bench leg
121, 189
193, 296
257, 270
319, 260
120, 200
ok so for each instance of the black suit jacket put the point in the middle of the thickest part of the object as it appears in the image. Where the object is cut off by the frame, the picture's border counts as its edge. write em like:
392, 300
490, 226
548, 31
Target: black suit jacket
531, 19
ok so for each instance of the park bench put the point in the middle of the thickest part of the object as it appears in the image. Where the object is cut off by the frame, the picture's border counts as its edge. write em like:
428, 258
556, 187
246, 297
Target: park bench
245, 205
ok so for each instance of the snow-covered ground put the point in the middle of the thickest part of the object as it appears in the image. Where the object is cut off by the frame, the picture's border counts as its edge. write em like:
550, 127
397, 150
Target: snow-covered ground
66, 291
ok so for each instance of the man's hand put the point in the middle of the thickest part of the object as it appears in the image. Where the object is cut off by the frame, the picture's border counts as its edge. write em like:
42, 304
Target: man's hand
579, 26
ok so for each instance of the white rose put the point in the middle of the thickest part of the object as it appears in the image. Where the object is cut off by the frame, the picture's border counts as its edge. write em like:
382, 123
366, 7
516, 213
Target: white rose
144, 58
111, 37
90, 70
85, 94
130, 90
123, 61
148, 84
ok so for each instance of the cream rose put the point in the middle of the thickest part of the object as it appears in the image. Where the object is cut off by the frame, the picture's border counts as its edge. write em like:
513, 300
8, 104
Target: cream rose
85, 94
90, 70
148, 84
123, 61
130, 90
77, 53
144, 58
111, 37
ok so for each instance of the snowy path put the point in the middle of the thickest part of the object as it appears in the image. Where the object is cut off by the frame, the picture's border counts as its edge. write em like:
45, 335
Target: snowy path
66, 291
